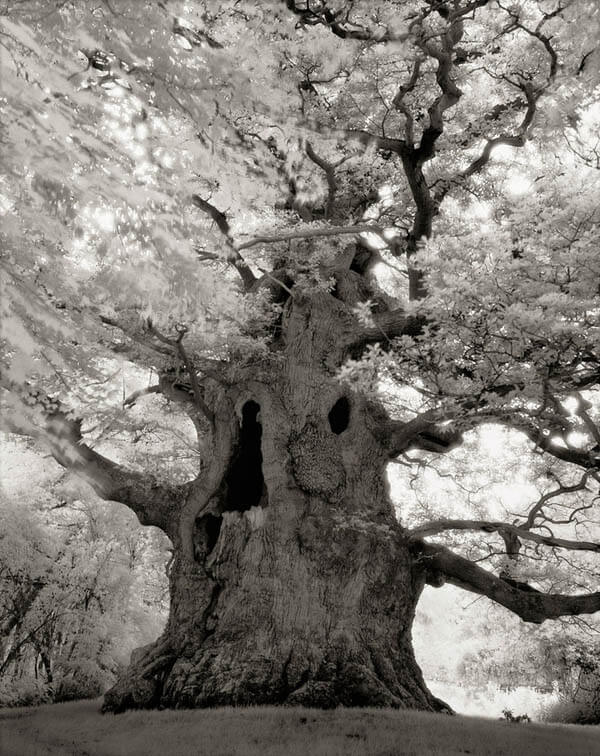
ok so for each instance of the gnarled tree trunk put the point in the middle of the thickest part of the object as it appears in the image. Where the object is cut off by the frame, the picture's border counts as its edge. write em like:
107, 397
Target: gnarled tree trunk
292, 581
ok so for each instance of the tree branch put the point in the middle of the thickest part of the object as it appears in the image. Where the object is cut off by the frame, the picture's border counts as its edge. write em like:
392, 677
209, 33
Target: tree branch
532, 95
426, 431
388, 325
132, 398
399, 104
530, 606
44, 418
233, 256
312, 233
440, 526
413, 159
538, 507
583, 458
191, 370
321, 15
517, 139
150, 338
137, 335
329, 170
450, 93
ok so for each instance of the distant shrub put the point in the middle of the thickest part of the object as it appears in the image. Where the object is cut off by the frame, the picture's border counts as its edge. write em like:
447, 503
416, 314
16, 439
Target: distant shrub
69, 686
77, 684
25, 691
584, 710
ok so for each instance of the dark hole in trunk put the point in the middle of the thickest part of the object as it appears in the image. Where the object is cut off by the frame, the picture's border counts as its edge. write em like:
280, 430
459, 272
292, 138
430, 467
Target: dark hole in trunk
212, 523
361, 260
245, 482
206, 534
339, 416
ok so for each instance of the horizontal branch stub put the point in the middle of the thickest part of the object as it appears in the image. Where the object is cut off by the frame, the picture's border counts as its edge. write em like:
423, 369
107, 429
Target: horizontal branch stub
389, 325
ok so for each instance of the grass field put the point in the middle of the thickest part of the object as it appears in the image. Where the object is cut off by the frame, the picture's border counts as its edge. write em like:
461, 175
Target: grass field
79, 729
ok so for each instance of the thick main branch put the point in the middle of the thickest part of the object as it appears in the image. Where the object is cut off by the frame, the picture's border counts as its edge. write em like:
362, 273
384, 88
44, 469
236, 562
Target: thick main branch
425, 431
154, 503
530, 606
389, 325
39, 416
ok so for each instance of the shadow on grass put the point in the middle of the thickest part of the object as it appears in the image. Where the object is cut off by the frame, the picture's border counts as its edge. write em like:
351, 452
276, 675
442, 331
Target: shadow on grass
78, 728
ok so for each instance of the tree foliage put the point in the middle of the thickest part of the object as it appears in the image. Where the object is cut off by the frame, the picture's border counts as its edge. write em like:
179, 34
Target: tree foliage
181, 176
80, 588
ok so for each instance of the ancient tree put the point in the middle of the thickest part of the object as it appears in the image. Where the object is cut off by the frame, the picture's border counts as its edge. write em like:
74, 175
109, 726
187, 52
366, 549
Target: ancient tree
339, 234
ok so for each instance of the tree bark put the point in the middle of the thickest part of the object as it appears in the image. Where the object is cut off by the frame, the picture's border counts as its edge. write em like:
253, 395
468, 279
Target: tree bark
291, 582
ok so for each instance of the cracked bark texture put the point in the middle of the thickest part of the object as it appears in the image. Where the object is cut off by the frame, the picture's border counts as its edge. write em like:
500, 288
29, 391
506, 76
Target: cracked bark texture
292, 583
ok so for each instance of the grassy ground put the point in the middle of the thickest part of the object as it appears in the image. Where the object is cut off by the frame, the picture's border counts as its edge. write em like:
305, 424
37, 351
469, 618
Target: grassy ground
79, 729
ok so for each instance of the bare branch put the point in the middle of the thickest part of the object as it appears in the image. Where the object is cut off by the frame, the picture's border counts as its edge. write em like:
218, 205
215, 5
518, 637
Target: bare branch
137, 335
312, 233
546, 442
537, 509
399, 104
150, 338
329, 170
531, 606
321, 15
132, 398
450, 93
517, 139
388, 325
233, 257
219, 218
44, 418
440, 526
191, 370
532, 95
427, 431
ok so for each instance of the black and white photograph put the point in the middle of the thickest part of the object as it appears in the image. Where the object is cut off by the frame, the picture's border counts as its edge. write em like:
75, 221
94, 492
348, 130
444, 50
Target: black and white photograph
299, 377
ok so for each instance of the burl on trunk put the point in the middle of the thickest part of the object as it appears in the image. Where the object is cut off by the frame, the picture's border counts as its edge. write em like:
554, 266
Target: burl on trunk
291, 581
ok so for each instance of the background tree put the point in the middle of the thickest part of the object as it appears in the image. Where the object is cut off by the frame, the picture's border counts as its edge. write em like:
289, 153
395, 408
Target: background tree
81, 587
333, 235
537, 672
